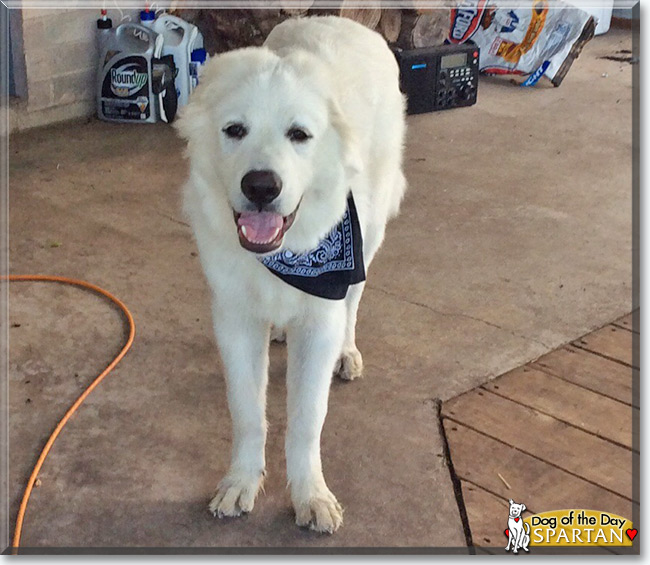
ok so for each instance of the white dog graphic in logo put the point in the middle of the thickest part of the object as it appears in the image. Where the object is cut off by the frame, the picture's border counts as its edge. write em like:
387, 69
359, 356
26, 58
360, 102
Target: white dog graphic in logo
518, 533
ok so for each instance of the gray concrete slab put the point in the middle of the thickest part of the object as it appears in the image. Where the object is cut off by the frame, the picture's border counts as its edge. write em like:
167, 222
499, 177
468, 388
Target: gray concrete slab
515, 237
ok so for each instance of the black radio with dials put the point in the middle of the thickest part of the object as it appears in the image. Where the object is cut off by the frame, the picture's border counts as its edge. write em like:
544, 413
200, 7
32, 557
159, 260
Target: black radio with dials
438, 78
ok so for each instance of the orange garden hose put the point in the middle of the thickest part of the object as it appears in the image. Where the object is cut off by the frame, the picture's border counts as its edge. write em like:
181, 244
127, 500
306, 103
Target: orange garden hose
44, 452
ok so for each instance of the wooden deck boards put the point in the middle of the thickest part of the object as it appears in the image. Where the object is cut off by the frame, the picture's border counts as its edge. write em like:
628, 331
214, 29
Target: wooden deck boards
480, 460
631, 322
582, 408
611, 342
556, 433
590, 371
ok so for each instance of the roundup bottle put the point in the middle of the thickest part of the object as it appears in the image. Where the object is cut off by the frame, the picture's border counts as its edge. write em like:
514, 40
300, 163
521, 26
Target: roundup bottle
125, 89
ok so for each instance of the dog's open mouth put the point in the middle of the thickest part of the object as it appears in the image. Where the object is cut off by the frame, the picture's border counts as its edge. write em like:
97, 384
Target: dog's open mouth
262, 232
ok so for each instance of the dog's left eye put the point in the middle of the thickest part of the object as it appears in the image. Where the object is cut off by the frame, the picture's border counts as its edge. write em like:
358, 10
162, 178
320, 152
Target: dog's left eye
235, 131
298, 135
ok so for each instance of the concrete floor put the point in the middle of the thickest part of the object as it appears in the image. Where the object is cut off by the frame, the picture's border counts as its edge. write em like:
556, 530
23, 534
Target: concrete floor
515, 237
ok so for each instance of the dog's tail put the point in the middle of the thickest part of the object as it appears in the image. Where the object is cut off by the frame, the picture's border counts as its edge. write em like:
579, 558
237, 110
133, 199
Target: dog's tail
527, 528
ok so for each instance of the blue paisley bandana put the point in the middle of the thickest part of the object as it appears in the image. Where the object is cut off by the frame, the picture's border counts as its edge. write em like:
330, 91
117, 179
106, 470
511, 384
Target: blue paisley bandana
328, 270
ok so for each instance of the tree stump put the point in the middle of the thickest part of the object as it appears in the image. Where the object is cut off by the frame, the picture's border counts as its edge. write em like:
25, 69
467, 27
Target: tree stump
390, 24
424, 28
368, 17
226, 29
296, 8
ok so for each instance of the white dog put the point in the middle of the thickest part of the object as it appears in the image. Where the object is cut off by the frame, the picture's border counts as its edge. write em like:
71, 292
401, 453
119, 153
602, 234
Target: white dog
278, 139
518, 532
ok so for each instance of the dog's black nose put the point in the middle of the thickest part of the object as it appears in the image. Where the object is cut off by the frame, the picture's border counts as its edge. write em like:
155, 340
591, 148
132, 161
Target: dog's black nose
261, 187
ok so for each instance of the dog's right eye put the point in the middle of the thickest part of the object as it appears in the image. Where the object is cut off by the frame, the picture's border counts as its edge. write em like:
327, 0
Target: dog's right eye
235, 131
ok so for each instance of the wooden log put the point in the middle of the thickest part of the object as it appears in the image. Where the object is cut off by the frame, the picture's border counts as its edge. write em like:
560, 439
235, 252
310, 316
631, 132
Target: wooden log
417, 6
228, 29
296, 8
266, 20
369, 16
408, 21
431, 28
224, 30
390, 24
424, 28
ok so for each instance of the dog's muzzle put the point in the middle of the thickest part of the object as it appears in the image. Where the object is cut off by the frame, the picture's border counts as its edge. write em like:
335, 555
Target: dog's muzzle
262, 232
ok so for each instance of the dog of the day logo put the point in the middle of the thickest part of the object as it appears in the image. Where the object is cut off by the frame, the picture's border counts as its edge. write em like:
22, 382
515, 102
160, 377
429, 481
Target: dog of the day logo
566, 528
518, 531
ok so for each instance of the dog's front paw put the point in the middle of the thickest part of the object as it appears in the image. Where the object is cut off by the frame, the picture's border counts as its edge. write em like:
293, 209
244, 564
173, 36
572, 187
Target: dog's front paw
350, 365
236, 494
278, 335
320, 512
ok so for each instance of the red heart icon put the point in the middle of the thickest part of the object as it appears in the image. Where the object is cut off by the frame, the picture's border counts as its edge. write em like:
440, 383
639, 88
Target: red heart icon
631, 533
516, 519
507, 532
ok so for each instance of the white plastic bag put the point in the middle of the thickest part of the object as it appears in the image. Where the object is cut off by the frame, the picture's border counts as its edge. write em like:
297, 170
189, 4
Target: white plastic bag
534, 37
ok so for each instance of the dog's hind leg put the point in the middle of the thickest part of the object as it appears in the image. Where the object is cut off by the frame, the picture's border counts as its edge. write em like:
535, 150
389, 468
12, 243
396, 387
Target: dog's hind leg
243, 344
525, 536
313, 345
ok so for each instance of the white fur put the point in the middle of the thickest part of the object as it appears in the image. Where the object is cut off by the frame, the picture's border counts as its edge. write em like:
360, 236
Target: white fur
339, 80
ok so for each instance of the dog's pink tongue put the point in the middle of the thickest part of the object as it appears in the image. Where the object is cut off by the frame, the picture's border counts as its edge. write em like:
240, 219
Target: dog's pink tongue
260, 226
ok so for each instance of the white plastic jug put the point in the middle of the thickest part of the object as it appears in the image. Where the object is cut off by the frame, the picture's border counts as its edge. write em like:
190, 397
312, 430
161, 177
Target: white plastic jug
180, 38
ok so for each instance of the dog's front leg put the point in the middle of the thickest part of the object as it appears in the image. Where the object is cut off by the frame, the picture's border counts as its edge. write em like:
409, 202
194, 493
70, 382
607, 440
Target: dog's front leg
243, 343
517, 542
313, 348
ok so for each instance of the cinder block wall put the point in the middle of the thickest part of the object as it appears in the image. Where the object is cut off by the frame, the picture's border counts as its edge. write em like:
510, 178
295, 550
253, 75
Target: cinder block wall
61, 64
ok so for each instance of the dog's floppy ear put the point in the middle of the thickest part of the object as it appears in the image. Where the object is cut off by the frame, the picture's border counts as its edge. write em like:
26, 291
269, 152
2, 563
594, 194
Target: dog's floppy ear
321, 80
523, 507
218, 77
192, 118
189, 119
349, 143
